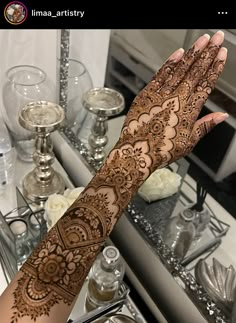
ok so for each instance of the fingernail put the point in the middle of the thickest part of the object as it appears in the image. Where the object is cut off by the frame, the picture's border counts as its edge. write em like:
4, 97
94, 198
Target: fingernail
207, 36
222, 54
225, 49
221, 118
179, 52
218, 38
220, 32
202, 41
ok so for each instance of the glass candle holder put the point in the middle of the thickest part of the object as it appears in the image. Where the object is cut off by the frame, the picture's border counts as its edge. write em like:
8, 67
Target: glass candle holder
23, 249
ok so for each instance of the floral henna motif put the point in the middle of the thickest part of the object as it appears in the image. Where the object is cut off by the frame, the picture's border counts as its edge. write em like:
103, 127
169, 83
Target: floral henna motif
34, 299
196, 73
158, 127
167, 124
98, 205
130, 167
148, 94
180, 71
157, 90
57, 268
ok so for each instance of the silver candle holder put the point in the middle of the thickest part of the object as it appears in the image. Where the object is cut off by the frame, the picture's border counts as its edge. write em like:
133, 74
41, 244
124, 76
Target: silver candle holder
42, 118
104, 103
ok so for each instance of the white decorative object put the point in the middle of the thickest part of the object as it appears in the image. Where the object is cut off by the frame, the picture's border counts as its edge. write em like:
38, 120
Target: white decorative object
72, 194
57, 204
160, 184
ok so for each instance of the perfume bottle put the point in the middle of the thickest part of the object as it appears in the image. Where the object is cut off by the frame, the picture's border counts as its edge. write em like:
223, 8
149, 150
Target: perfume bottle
179, 232
105, 278
202, 216
201, 221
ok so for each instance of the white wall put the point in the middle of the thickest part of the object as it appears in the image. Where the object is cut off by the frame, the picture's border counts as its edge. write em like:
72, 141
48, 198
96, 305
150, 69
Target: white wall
91, 47
29, 47
32, 47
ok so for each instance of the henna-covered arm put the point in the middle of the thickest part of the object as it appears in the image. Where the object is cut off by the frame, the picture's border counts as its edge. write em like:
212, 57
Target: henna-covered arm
160, 127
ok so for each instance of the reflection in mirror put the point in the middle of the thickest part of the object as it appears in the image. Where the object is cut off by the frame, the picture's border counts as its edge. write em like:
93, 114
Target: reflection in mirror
71, 98
134, 56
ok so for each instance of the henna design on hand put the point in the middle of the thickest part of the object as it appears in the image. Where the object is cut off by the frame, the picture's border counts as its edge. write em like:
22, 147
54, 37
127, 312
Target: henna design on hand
160, 127
166, 118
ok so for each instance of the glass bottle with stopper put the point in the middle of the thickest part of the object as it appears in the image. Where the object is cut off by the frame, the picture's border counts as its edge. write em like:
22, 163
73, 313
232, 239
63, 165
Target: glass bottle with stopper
42, 118
105, 278
202, 216
179, 232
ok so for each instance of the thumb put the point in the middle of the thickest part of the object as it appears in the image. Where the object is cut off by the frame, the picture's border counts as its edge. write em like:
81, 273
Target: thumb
205, 125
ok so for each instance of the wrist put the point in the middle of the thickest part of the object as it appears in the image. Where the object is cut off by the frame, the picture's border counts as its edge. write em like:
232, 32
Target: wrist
126, 167
132, 155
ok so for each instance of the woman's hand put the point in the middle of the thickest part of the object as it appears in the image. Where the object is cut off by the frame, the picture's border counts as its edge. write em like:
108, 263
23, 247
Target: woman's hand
162, 124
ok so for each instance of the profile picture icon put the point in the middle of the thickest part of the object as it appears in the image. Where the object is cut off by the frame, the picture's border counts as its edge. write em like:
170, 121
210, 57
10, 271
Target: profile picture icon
15, 12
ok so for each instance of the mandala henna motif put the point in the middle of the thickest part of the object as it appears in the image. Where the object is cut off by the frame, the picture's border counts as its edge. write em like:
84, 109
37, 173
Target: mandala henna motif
160, 127
56, 270
34, 299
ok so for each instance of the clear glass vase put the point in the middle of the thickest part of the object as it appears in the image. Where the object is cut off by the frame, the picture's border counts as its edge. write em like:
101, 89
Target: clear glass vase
79, 82
24, 84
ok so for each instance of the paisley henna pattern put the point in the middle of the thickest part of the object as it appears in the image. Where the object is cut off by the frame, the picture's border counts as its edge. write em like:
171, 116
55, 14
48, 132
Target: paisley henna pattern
160, 127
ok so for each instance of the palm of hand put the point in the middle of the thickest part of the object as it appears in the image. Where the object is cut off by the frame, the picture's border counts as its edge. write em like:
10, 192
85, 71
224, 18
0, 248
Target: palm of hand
162, 121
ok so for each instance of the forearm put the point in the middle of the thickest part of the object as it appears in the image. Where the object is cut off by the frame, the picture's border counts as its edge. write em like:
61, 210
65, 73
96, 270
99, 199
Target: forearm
47, 284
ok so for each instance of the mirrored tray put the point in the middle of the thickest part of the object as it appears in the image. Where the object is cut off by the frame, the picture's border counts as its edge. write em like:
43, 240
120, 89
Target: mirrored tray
150, 220
123, 305
156, 215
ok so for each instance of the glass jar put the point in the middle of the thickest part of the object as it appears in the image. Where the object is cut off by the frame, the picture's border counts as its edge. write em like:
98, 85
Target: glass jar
24, 84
